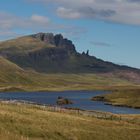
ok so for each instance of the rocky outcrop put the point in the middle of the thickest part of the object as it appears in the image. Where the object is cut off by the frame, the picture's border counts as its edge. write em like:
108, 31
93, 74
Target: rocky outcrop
56, 40
98, 98
50, 54
63, 101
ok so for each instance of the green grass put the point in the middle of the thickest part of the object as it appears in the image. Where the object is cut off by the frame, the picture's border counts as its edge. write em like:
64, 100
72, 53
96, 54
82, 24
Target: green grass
34, 123
125, 97
13, 78
22, 45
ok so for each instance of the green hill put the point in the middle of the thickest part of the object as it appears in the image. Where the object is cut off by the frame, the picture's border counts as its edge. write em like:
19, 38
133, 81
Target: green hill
12, 77
48, 53
45, 61
21, 45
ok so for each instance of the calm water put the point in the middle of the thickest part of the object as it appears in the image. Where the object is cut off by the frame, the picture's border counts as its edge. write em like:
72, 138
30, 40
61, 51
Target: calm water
81, 99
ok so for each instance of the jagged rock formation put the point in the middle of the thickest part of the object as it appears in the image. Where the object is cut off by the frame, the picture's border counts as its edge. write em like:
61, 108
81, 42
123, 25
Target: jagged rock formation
56, 40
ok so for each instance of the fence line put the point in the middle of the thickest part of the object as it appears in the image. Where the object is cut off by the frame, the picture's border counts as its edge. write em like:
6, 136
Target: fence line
97, 114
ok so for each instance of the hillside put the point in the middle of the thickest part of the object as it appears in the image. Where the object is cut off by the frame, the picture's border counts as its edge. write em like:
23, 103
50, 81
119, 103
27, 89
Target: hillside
14, 78
48, 53
33, 81
10, 72
21, 45
50, 62
12, 75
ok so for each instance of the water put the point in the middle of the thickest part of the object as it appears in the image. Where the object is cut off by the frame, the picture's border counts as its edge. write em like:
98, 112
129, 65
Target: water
80, 99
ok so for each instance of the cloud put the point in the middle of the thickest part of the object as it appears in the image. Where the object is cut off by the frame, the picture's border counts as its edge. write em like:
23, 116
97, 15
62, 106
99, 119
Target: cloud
8, 34
120, 11
100, 44
68, 13
86, 12
136, 1
40, 19
9, 21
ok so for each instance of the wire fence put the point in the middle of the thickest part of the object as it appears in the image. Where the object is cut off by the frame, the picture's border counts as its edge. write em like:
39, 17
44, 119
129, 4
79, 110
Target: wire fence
76, 111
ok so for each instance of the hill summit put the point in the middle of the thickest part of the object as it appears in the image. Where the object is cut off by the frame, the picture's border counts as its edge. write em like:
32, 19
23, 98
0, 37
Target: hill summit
55, 40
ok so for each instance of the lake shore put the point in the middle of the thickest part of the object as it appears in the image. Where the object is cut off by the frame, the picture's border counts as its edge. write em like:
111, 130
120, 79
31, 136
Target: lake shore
88, 86
77, 99
77, 111
122, 98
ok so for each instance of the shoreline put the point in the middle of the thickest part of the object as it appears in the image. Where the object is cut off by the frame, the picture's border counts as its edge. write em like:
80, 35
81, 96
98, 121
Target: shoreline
106, 102
100, 98
121, 98
77, 111
61, 89
120, 105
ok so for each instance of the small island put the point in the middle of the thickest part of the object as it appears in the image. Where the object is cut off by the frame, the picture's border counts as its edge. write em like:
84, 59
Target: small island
98, 98
63, 101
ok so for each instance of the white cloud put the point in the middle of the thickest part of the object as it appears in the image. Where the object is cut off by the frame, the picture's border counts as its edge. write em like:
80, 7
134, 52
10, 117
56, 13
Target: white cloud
6, 34
9, 21
40, 19
121, 11
68, 13
9, 24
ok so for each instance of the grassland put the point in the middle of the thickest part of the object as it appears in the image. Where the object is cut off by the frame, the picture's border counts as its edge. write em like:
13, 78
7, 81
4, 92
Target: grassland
14, 78
60, 82
22, 45
28, 122
124, 97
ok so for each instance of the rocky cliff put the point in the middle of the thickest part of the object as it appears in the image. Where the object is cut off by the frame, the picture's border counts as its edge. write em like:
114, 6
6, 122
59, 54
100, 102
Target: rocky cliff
56, 40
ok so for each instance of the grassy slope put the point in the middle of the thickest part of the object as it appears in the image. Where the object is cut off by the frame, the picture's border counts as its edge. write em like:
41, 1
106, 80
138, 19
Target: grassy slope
30, 122
13, 77
130, 98
22, 44
30, 52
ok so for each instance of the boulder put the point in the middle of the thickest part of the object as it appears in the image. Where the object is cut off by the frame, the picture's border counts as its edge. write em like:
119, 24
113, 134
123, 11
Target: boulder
63, 101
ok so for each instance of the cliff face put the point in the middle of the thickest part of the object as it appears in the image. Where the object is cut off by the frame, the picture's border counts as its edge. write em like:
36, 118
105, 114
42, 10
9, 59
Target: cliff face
56, 40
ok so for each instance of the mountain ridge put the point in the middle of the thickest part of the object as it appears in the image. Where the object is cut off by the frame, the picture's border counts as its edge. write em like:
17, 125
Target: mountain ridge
49, 53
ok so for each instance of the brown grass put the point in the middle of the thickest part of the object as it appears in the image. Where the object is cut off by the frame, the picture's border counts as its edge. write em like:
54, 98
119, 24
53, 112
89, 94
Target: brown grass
35, 123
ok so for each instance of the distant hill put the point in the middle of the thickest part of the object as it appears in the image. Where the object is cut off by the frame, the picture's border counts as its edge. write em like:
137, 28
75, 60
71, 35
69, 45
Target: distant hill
49, 53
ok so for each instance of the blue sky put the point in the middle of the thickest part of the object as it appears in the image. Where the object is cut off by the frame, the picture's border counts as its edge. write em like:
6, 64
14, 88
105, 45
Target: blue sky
109, 29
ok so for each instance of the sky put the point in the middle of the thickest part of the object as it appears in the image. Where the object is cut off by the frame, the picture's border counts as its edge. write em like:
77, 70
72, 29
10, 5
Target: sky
109, 29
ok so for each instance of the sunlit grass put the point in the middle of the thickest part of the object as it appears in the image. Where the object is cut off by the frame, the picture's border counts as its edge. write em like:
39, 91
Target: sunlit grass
31, 122
13, 78
124, 97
